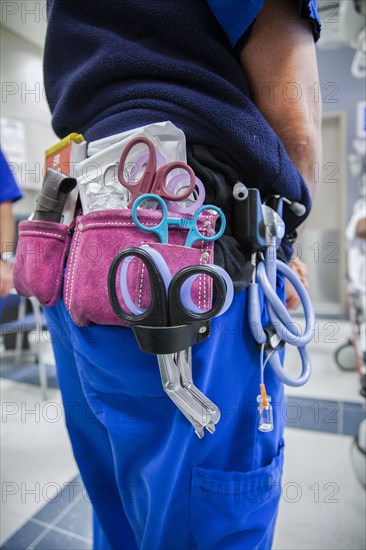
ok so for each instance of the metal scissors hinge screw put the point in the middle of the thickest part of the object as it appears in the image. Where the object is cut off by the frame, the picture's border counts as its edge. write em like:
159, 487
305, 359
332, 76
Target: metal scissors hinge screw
274, 342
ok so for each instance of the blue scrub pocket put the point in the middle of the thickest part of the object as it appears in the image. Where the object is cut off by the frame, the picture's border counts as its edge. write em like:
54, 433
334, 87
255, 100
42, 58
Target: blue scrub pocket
235, 510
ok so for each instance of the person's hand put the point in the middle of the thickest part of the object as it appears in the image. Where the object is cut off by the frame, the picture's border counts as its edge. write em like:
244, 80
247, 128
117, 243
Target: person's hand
292, 298
6, 278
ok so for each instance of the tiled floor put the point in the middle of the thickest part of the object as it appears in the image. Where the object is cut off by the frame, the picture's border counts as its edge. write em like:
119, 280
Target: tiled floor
36, 458
63, 523
322, 506
323, 503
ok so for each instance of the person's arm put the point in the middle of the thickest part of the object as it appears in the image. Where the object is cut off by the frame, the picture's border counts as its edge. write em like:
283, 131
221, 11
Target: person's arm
280, 64
7, 232
361, 228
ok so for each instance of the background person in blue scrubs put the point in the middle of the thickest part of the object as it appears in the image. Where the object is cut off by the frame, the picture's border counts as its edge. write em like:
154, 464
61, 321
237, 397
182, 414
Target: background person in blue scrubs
244, 101
9, 193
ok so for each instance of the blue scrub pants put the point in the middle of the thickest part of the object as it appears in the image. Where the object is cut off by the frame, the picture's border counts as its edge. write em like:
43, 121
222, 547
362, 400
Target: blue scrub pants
153, 484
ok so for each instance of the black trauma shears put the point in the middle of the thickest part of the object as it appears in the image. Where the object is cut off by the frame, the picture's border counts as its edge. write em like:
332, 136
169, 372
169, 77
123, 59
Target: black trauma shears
171, 324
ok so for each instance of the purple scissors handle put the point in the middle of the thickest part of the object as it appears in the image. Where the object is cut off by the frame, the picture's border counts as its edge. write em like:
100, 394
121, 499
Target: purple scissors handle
153, 180
160, 160
186, 287
190, 205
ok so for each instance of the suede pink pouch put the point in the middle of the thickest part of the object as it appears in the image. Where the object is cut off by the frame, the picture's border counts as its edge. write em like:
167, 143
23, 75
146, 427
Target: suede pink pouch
40, 260
99, 236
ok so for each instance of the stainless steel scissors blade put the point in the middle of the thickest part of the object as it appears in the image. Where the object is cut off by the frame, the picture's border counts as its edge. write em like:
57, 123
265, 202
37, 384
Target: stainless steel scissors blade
199, 410
184, 363
171, 383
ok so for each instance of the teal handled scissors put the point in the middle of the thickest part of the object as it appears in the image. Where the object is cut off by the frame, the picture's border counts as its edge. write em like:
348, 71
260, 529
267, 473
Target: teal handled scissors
161, 229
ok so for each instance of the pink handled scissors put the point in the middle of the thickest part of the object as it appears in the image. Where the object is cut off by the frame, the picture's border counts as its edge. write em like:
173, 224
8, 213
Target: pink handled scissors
153, 180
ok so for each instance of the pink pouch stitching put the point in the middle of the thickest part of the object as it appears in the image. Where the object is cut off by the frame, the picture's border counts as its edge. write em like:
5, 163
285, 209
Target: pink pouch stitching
70, 269
102, 224
203, 286
73, 269
26, 232
201, 277
202, 280
142, 273
115, 224
199, 291
131, 224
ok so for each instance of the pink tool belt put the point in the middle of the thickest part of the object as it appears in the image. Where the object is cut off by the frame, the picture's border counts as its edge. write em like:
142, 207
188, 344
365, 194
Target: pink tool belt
87, 248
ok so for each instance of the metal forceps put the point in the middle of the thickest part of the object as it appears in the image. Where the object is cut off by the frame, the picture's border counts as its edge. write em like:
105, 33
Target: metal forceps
171, 325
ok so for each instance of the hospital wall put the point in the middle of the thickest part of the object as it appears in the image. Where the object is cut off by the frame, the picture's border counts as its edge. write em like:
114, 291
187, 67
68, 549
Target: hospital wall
23, 100
341, 92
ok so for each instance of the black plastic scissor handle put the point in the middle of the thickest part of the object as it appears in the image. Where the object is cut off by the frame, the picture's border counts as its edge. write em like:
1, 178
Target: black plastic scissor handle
157, 312
178, 313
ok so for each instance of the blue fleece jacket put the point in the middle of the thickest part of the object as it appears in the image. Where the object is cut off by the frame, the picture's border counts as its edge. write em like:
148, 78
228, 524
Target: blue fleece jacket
112, 65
